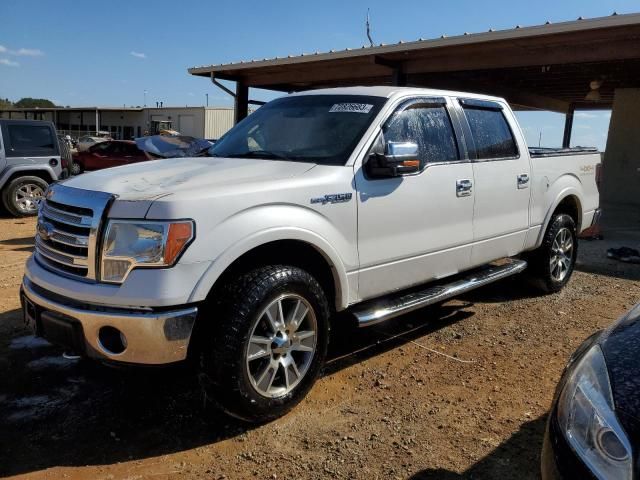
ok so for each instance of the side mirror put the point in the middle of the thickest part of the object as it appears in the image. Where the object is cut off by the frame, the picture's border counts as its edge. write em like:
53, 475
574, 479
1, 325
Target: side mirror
400, 158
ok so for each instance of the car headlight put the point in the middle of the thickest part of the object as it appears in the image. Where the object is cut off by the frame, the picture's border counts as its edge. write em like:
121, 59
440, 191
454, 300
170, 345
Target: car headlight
587, 417
131, 243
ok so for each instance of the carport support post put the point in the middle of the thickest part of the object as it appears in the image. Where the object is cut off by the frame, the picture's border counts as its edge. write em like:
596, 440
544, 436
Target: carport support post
398, 79
568, 126
242, 101
97, 122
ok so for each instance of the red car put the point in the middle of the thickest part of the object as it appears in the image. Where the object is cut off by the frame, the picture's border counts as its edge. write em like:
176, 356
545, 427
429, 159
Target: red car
107, 154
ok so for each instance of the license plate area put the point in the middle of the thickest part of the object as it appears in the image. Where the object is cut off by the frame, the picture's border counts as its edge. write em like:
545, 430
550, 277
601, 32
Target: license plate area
56, 328
30, 314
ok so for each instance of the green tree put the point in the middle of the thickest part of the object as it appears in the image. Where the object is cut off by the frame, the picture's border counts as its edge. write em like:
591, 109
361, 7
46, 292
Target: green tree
5, 103
29, 102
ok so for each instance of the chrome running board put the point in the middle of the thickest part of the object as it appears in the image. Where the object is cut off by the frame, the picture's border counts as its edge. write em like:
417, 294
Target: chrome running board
376, 311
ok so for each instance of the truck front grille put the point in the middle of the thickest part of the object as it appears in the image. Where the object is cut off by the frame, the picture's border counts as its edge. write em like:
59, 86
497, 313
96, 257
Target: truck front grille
67, 231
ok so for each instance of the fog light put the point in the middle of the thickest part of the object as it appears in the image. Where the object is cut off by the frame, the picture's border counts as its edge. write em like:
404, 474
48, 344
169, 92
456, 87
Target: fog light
115, 270
112, 340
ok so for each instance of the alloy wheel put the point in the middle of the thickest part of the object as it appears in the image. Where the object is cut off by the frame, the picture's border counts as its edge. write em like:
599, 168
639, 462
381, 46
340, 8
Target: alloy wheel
562, 254
27, 197
282, 345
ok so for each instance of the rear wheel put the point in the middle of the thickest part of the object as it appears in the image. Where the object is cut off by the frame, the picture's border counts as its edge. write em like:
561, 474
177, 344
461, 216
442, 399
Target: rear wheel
22, 195
267, 342
552, 264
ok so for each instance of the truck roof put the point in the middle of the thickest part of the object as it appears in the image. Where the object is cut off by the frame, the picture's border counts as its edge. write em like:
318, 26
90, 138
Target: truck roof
391, 91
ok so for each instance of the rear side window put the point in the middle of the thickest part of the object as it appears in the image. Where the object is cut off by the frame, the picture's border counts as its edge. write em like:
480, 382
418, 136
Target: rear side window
31, 141
427, 125
491, 133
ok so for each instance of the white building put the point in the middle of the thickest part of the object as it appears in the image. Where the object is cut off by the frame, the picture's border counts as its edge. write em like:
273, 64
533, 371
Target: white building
127, 123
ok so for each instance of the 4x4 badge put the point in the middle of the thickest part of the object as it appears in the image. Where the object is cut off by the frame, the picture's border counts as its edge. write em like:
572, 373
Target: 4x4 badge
333, 198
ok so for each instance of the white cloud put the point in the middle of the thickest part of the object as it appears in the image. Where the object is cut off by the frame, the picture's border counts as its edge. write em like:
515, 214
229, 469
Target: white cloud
27, 52
22, 52
8, 63
586, 115
137, 54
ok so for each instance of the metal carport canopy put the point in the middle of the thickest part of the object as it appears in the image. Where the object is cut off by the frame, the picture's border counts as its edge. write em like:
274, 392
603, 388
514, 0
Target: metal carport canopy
547, 67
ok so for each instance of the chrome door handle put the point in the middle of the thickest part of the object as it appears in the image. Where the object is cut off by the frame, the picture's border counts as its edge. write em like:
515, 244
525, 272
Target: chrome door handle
523, 181
463, 188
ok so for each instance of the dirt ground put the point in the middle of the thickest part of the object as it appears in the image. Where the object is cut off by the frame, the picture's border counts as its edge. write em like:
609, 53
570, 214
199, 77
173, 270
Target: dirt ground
459, 391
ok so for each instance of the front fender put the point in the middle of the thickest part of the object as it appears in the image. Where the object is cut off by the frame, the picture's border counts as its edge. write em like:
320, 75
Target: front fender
330, 230
248, 243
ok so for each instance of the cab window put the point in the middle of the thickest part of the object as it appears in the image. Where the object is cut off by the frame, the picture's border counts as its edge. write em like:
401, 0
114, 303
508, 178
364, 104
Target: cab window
427, 125
491, 133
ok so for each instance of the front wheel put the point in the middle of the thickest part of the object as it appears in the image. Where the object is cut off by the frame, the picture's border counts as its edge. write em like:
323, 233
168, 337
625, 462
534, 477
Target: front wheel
268, 339
552, 264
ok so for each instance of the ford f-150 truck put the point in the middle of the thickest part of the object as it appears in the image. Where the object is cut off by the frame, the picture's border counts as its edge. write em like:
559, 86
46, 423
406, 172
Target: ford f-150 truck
373, 201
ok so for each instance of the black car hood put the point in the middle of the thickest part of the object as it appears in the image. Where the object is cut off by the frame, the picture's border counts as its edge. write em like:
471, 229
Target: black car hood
621, 348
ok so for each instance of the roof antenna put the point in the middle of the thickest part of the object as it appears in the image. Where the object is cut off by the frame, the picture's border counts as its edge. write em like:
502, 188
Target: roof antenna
369, 29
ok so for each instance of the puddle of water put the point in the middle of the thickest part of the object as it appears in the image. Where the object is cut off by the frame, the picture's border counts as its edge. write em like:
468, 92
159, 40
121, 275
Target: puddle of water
51, 362
28, 341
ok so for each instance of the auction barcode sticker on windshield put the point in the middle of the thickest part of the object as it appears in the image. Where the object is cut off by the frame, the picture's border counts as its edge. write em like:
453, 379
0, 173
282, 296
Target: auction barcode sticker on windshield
351, 108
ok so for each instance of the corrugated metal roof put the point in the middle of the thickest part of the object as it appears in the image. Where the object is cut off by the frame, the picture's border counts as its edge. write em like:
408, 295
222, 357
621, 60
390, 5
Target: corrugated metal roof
518, 32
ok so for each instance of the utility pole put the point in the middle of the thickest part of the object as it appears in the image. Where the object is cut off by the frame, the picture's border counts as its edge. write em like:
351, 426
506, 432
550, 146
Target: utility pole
207, 95
145, 98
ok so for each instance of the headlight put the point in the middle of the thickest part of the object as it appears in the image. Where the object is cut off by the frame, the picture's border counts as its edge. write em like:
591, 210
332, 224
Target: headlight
130, 244
586, 414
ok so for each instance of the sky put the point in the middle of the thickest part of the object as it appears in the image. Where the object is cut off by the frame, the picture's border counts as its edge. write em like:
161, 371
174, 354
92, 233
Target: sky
109, 55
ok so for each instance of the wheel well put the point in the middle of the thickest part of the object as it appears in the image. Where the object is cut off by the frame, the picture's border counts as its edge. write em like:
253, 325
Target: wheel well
286, 252
570, 205
43, 174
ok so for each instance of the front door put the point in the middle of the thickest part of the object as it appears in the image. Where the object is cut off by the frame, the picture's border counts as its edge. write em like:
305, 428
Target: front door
502, 177
417, 227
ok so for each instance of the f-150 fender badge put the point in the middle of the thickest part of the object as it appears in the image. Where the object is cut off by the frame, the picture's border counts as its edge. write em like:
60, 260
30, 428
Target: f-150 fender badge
333, 198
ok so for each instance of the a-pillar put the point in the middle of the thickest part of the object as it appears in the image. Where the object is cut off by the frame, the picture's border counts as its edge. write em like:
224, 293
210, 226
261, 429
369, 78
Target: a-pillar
621, 168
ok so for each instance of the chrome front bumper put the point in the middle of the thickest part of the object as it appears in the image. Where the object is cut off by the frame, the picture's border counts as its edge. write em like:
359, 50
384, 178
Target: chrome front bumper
148, 337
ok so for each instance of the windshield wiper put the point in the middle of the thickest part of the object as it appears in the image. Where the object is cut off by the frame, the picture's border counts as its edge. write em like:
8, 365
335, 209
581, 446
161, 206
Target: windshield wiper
259, 154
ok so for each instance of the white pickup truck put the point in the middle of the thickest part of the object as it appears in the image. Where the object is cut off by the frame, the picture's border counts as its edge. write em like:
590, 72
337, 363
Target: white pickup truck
374, 201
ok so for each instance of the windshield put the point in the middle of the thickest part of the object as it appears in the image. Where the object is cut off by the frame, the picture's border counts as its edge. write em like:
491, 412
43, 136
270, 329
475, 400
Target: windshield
322, 129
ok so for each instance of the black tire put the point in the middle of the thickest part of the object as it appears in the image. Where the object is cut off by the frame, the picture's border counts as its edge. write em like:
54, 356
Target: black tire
10, 192
540, 271
237, 312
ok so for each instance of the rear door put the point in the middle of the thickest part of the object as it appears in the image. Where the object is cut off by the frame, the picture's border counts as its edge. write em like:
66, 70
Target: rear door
416, 227
501, 171
132, 153
103, 155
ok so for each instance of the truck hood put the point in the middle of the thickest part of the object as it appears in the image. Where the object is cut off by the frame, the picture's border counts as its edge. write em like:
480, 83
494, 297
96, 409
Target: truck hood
158, 178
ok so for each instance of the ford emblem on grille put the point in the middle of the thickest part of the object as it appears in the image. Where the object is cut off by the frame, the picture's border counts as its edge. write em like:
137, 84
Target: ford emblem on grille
45, 230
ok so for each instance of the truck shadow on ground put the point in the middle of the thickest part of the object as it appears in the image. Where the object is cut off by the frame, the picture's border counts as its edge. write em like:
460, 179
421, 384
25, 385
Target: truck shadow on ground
24, 244
59, 412
517, 458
